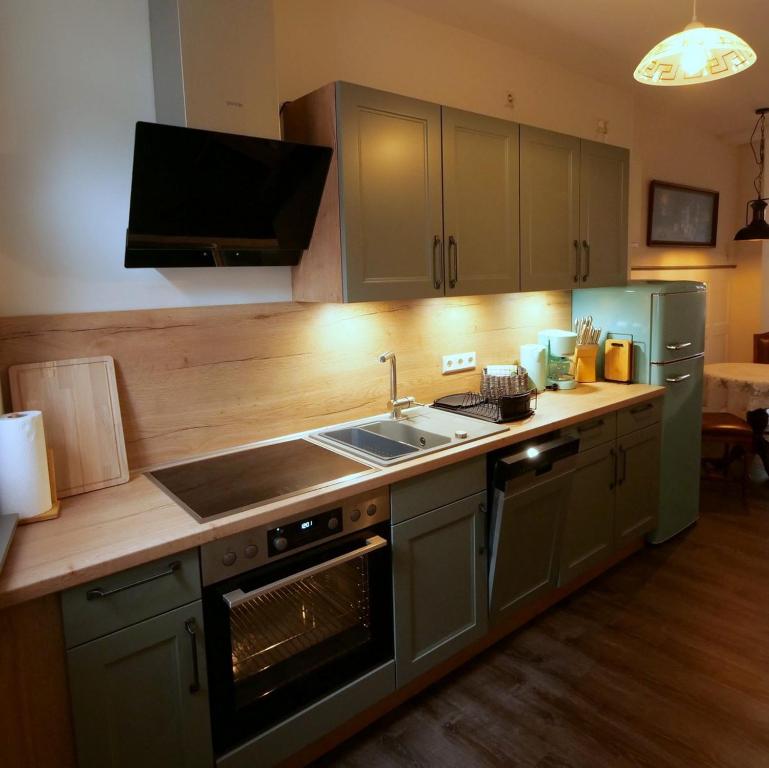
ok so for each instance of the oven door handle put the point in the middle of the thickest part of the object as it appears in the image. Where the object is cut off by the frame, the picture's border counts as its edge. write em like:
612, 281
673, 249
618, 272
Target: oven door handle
238, 596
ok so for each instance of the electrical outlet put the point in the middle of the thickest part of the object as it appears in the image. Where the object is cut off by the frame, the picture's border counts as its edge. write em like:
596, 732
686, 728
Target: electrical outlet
461, 361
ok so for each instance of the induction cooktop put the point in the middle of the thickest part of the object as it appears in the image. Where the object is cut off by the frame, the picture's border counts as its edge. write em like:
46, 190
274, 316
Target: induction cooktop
223, 485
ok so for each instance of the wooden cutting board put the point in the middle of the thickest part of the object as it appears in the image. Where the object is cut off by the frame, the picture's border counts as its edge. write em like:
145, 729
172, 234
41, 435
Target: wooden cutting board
81, 416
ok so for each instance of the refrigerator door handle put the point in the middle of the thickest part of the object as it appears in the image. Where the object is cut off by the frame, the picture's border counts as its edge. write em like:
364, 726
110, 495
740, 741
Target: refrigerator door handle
678, 379
678, 345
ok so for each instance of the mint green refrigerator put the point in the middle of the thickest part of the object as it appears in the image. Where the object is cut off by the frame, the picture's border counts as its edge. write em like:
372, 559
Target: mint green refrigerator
666, 320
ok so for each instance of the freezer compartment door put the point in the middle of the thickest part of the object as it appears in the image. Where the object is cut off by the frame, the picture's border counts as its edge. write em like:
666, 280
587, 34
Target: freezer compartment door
678, 326
681, 440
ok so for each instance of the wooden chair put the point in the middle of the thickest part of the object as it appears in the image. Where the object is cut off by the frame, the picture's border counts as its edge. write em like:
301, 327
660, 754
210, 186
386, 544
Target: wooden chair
737, 438
761, 347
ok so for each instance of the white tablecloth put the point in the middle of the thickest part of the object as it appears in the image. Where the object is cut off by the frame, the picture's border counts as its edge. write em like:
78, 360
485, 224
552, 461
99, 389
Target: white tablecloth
736, 387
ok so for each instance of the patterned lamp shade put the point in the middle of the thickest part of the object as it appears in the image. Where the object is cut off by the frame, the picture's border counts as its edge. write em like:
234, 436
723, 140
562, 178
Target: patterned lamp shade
699, 54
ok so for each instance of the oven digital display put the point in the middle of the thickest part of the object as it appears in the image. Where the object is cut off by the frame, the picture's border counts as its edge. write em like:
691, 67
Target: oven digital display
303, 532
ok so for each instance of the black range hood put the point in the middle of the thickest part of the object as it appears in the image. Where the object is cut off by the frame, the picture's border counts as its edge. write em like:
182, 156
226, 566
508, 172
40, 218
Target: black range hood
209, 199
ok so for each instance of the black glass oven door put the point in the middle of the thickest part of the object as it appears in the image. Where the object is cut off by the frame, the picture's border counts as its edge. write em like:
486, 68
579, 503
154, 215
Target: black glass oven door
284, 635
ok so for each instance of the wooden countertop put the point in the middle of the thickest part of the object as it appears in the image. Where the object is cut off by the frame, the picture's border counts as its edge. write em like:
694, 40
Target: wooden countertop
115, 528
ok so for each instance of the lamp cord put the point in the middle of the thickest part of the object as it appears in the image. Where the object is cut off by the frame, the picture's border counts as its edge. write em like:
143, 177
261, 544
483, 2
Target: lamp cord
758, 153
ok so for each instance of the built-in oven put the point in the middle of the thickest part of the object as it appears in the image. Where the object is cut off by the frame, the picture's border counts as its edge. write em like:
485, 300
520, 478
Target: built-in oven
294, 611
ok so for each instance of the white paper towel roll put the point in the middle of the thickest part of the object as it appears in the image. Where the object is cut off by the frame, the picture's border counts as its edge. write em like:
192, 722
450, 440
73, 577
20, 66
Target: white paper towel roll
24, 486
534, 360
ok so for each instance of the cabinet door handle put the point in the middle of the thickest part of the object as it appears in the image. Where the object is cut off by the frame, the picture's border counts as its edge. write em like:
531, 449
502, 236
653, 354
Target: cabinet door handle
437, 254
586, 249
97, 593
641, 408
191, 628
613, 480
678, 379
482, 545
623, 457
453, 262
577, 261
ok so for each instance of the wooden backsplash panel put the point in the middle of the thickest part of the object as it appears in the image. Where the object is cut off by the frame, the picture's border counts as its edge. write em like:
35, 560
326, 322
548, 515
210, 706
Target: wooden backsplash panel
206, 378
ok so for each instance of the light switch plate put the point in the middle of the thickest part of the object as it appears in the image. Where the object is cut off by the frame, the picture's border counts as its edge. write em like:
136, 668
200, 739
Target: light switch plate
459, 361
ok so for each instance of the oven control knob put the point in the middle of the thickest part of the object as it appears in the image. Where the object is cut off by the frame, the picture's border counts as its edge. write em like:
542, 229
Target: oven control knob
251, 550
229, 558
371, 510
355, 515
333, 523
280, 543
461, 434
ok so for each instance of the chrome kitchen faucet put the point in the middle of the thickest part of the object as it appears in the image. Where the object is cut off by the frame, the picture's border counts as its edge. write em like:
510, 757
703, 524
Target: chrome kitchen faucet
397, 404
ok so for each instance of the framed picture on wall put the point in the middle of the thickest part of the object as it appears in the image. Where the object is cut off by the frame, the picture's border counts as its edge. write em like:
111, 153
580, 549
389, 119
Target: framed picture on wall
680, 215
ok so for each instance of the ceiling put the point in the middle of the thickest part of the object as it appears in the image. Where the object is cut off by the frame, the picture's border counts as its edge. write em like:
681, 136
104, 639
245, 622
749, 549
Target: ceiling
605, 39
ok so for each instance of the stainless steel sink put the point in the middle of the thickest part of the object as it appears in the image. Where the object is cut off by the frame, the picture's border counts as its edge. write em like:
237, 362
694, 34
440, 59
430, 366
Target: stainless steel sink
386, 441
404, 432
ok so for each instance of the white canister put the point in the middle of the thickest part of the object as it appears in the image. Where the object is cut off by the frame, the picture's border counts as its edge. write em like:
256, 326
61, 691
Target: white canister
534, 360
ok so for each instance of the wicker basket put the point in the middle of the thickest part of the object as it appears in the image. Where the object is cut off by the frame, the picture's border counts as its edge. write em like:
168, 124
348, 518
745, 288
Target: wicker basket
495, 387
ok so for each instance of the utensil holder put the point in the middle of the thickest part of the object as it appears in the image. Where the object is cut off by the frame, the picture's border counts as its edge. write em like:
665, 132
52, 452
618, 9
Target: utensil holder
584, 363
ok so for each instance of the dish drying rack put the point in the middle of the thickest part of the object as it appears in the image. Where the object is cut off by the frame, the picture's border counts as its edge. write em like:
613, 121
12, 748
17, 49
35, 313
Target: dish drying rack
494, 401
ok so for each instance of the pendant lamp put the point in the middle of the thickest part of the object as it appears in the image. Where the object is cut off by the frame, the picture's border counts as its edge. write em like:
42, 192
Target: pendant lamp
698, 54
758, 228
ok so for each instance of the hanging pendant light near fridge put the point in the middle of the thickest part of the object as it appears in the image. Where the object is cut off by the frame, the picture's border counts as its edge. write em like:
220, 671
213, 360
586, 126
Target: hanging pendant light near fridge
758, 228
698, 54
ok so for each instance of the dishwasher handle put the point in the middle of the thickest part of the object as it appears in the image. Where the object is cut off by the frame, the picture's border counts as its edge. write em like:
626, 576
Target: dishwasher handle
538, 457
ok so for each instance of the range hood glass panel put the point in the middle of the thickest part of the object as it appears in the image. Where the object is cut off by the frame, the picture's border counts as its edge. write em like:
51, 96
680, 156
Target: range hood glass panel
218, 199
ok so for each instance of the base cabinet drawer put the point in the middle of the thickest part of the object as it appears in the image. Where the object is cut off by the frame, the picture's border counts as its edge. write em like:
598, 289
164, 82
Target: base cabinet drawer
436, 489
140, 695
639, 416
120, 599
602, 429
439, 581
588, 527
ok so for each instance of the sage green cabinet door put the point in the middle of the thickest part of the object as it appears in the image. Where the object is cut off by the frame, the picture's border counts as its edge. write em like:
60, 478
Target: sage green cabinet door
549, 210
526, 544
638, 486
603, 191
391, 196
132, 699
439, 585
588, 528
480, 203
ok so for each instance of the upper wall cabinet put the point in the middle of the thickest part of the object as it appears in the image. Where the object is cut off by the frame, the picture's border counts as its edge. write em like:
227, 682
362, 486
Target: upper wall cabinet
480, 203
573, 212
399, 165
390, 195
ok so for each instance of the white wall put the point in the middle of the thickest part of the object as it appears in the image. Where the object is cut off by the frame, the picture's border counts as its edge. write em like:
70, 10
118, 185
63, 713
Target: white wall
382, 45
78, 74
75, 75
669, 147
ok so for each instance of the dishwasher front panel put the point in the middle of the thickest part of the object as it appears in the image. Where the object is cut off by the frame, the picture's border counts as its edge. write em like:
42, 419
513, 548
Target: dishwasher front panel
525, 532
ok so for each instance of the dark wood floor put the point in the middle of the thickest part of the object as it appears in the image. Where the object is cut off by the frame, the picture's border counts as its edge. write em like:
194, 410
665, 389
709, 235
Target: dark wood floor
663, 661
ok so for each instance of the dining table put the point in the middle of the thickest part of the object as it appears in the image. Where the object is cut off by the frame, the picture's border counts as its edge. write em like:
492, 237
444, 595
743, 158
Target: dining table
736, 388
